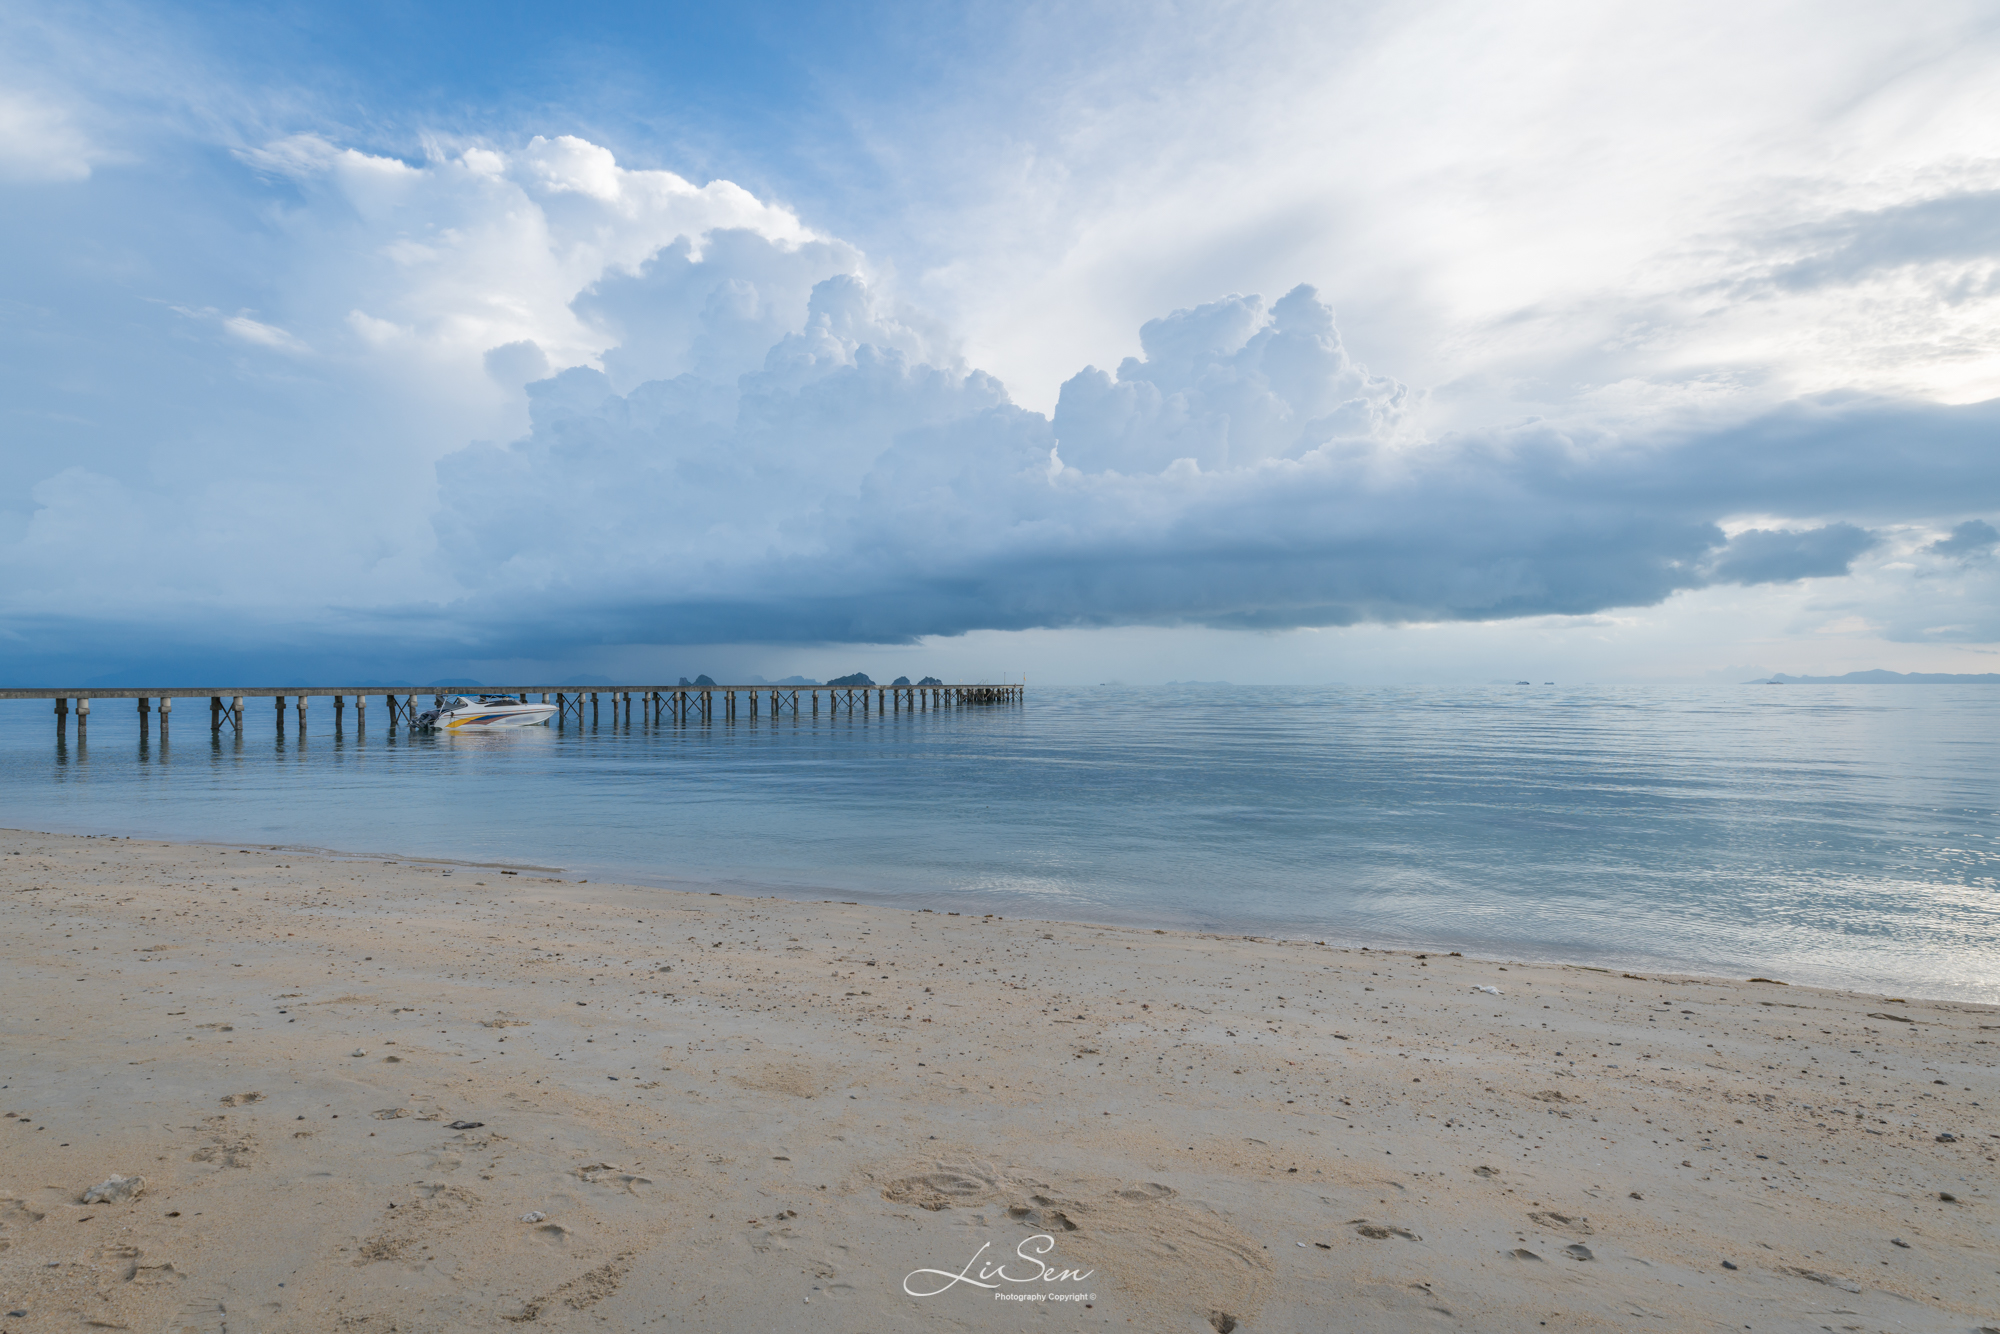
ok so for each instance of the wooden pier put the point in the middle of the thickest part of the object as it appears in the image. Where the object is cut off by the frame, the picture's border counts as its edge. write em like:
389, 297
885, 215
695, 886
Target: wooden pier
680, 705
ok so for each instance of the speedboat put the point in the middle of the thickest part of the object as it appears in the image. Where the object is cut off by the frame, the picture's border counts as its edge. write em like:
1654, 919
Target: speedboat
463, 713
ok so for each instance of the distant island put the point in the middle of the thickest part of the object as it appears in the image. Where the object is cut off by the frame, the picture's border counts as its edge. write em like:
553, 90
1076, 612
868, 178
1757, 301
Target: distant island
1879, 677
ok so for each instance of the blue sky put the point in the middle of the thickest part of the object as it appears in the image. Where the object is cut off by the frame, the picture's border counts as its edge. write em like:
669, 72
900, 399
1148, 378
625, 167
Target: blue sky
1271, 343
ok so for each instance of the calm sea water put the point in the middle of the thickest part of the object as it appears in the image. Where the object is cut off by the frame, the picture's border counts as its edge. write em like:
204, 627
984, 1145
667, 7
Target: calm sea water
1833, 835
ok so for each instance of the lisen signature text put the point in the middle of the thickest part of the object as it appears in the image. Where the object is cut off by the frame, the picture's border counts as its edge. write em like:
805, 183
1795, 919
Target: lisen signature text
1027, 1265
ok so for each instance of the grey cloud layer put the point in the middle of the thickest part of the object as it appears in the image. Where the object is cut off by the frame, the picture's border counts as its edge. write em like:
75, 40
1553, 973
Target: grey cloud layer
1244, 473
1968, 541
1963, 226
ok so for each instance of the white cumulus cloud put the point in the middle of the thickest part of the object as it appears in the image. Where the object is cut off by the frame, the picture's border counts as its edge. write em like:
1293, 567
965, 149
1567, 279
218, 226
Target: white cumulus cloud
522, 401
1246, 473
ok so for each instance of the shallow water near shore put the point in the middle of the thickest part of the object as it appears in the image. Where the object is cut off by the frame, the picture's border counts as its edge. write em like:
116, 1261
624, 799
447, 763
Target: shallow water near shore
1840, 836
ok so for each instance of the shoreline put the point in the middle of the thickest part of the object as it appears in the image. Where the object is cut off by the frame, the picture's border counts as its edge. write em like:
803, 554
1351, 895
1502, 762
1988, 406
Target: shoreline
348, 1082
970, 903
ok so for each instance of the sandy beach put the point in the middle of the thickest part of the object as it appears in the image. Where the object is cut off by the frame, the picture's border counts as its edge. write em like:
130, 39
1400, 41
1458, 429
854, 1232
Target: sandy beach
370, 1095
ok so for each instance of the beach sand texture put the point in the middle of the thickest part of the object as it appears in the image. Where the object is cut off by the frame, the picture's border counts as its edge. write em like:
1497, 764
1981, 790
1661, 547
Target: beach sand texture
349, 1083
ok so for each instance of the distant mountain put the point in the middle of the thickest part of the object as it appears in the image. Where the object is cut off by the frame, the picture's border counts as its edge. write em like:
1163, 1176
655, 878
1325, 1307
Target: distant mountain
454, 683
855, 679
1878, 677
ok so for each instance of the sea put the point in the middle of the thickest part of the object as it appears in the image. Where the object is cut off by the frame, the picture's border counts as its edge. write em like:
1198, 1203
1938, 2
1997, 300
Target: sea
1830, 835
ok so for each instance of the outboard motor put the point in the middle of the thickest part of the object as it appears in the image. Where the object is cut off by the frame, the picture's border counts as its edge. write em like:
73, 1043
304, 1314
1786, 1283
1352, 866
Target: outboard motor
429, 717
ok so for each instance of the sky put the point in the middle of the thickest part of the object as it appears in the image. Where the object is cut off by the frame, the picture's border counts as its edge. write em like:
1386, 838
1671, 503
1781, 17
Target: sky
1355, 342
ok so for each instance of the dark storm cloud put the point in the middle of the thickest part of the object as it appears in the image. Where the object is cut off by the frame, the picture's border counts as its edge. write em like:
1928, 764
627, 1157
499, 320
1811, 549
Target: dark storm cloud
1772, 556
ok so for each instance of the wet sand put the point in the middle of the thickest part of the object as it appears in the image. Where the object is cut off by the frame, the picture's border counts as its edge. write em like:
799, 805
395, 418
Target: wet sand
352, 1085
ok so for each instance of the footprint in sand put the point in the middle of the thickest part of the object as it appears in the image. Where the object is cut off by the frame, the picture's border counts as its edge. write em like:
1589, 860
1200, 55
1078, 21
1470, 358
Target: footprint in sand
1380, 1232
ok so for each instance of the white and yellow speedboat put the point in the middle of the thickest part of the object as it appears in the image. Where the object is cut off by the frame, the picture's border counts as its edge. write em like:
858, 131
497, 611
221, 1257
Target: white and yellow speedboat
484, 714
